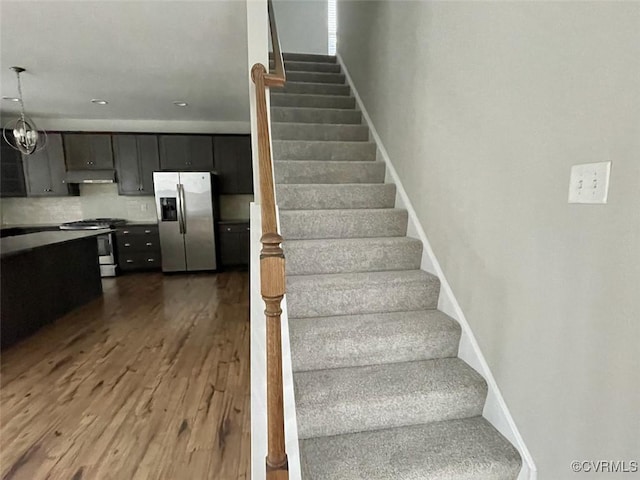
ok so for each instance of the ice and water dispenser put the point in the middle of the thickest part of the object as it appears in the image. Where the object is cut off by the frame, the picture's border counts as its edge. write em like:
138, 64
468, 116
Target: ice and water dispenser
168, 209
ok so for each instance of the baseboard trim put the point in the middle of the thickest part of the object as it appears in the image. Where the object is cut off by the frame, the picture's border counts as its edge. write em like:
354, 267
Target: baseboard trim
495, 409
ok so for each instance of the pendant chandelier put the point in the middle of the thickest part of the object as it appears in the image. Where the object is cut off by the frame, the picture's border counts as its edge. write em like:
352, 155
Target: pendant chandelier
22, 133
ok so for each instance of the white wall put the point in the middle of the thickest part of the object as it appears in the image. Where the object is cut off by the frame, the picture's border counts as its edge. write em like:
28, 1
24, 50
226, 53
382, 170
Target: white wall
483, 107
302, 25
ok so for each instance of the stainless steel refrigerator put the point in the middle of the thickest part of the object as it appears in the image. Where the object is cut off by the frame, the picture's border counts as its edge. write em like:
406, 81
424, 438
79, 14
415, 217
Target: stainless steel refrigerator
186, 203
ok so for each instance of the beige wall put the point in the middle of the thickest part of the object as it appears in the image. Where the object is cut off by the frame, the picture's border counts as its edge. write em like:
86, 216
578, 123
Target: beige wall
302, 25
483, 107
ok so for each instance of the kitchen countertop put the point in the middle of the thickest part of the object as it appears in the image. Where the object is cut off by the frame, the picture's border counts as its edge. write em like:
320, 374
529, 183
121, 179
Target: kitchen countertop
31, 225
24, 243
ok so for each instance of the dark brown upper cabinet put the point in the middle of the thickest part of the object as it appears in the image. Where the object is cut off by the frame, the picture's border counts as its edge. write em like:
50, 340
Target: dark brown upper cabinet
88, 151
44, 171
136, 158
232, 155
11, 173
186, 153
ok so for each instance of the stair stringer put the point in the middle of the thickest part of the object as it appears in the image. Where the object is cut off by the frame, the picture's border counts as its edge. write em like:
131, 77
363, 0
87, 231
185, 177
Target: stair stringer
495, 409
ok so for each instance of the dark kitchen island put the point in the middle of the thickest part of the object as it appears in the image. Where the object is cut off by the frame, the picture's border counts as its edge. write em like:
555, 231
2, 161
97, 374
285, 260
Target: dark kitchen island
43, 276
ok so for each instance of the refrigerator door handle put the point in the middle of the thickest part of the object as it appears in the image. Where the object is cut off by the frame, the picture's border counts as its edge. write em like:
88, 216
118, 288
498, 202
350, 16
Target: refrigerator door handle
180, 219
183, 210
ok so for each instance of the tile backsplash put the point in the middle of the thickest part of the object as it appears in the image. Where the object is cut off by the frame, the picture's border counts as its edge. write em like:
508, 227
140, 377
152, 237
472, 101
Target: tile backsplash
101, 200
97, 200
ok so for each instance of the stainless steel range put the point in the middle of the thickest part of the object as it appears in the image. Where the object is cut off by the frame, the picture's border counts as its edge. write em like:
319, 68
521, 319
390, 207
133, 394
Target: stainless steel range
106, 244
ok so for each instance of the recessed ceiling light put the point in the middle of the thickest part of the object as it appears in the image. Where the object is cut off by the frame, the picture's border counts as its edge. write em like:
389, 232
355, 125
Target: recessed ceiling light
11, 99
97, 101
179, 103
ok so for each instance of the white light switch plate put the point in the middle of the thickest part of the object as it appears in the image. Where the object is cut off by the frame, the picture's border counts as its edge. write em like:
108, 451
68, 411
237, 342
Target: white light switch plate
589, 183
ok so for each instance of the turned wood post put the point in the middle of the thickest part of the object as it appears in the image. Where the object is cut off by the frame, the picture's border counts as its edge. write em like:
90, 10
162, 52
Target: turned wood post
272, 279
272, 267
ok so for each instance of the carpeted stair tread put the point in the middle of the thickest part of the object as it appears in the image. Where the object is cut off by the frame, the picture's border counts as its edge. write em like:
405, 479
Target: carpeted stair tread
352, 223
336, 196
356, 340
326, 295
311, 101
465, 449
322, 150
315, 88
324, 132
316, 115
355, 399
316, 77
307, 66
341, 255
328, 172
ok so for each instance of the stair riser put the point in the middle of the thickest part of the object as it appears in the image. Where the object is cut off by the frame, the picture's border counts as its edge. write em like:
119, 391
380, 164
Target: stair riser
304, 224
329, 172
309, 197
312, 101
320, 132
310, 115
317, 150
315, 77
307, 57
323, 343
367, 256
315, 88
321, 302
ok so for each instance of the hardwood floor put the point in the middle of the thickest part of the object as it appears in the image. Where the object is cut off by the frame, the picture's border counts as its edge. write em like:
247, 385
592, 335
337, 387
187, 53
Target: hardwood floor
149, 382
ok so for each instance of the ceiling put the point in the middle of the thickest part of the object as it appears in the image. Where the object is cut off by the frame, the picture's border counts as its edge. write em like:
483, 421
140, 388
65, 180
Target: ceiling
140, 56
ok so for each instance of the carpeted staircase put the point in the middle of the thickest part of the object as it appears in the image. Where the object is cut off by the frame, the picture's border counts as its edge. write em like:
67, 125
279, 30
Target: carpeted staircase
380, 392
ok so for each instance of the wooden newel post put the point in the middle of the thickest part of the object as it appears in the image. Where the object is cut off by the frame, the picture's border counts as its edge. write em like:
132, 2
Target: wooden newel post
272, 278
272, 272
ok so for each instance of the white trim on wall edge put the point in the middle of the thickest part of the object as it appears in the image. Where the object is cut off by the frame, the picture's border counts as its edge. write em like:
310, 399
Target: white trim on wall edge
495, 408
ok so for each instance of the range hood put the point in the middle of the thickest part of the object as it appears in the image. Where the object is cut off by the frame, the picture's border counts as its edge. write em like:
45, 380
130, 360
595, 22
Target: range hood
91, 176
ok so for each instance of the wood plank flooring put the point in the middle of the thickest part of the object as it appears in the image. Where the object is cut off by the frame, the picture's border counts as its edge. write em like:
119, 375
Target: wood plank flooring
149, 382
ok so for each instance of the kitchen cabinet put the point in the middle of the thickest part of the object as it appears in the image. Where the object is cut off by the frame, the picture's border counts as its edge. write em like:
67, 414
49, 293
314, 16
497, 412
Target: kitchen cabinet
232, 155
138, 247
11, 173
136, 158
88, 151
233, 242
186, 153
43, 278
44, 171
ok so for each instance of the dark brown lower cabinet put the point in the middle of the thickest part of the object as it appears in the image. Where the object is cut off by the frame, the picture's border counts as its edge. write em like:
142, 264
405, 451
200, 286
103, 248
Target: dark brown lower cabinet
138, 247
42, 284
233, 243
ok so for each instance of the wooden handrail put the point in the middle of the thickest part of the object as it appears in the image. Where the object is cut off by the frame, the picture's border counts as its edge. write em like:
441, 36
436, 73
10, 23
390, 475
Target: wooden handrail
272, 266
279, 77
